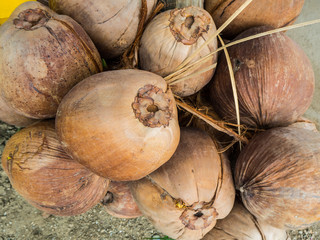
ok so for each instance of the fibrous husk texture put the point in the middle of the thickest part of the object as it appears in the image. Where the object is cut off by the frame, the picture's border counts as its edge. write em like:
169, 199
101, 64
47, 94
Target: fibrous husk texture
278, 175
240, 224
9, 116
173, 36
275, 13
274, 81
42, 56
120, 124
112, 25
119, 201
49, 179
185, 196
305, 124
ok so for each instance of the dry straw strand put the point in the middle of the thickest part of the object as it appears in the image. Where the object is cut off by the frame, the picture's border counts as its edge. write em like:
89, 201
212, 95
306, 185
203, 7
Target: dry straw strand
203, 59
233, 84
222, 150
299, 25
219, 125
232, 17
178, 79
129, 58
183, 67
194, 65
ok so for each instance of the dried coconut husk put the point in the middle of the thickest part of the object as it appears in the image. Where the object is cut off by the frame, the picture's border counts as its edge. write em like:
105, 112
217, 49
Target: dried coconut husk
42, 56
240, 224
265, 70
305, 124
278, 176
188, 109
49, 179
275, 13
185, 196
187, 66
120, 124
9, 116
119, 201
197, 111
170, 38
112, 25
221, 132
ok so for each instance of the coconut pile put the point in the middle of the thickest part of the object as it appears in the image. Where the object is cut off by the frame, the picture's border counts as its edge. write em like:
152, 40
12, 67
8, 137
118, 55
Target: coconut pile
186, 112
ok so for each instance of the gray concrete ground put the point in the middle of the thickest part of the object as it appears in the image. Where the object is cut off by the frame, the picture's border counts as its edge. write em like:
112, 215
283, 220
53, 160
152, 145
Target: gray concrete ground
308, 38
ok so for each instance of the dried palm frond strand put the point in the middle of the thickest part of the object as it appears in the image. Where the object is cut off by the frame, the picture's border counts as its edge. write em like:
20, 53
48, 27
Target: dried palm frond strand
129, 58
232, 17
181, 70
219, 125
205, 58
178, 79
233, 84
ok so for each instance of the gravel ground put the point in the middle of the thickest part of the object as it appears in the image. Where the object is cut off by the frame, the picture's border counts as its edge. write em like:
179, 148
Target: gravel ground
19, 220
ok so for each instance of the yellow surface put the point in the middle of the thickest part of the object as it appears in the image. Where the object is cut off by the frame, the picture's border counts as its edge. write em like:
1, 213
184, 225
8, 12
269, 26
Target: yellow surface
2, 20
7, 7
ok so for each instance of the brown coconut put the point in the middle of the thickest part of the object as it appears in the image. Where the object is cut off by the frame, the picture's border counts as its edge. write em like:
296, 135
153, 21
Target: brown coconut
240, 224
49, 179
119, 201
9, 116
42, 56
112, 25
185, 196
305, 123
275, 13
274, 80
278, 176
121, 124
173, 36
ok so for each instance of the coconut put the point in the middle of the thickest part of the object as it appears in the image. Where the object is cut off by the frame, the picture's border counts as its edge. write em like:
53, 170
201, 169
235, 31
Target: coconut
42, 56
173, 36
275, 13
185, 196
112, 25
278, 176
274, 80
240, 224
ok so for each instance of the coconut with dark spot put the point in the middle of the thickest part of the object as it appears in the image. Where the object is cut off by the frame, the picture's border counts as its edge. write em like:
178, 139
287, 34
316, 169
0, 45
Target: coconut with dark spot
42, 56
185, 196
274, 81
172, 37
121, 124
119, 201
